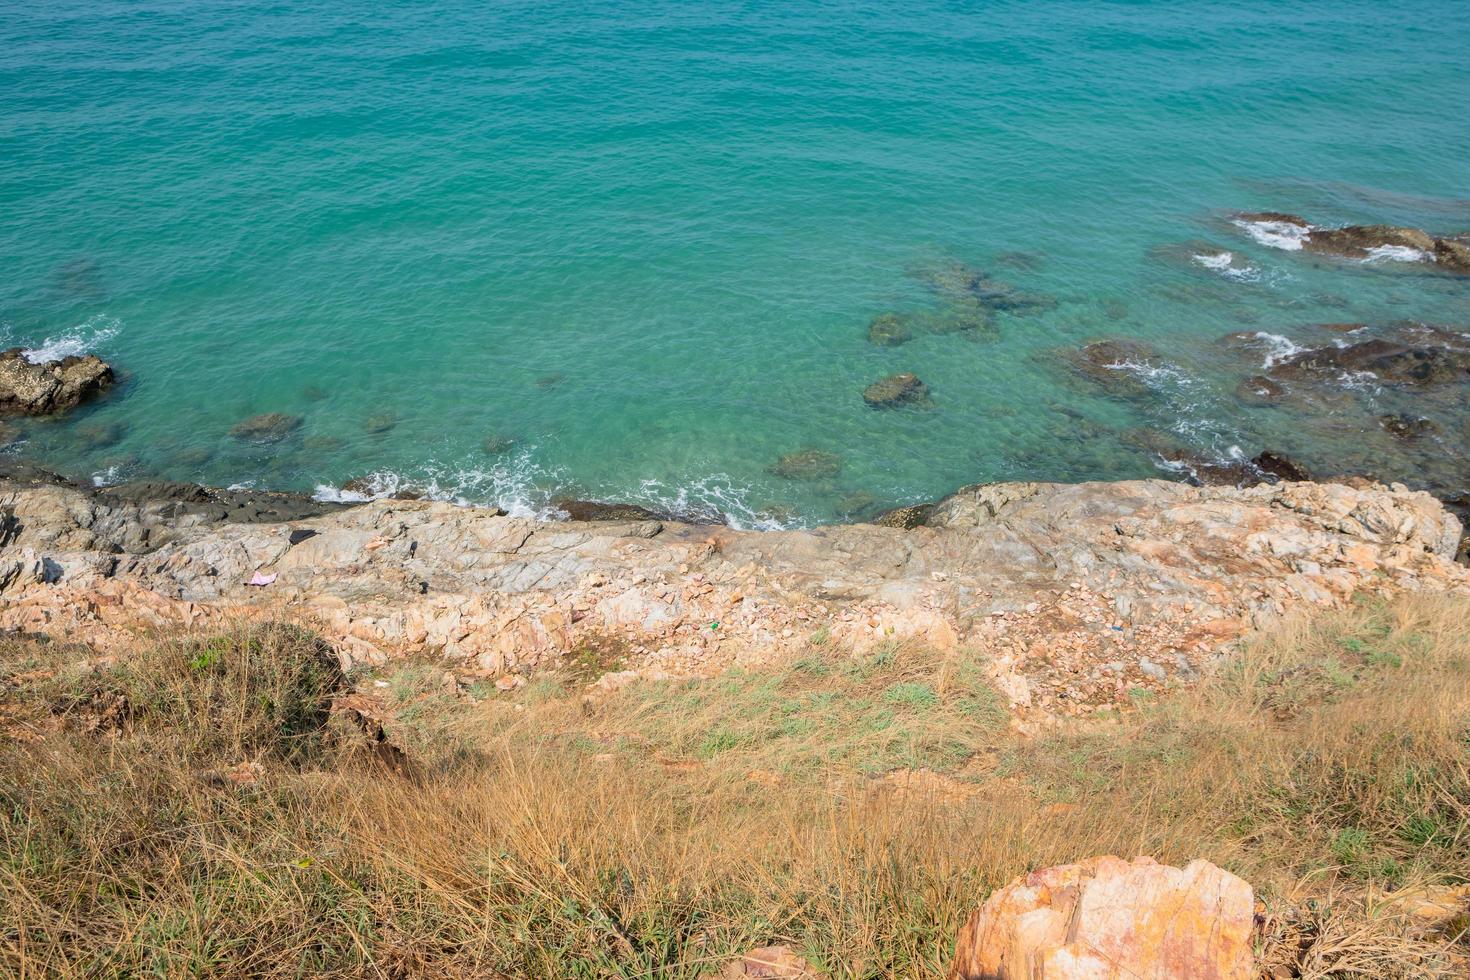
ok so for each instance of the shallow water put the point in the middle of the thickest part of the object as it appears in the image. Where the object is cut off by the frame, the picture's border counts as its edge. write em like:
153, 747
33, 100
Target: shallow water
645, 241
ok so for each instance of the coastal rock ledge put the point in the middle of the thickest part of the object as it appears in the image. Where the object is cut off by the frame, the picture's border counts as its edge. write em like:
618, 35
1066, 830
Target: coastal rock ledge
1073, 596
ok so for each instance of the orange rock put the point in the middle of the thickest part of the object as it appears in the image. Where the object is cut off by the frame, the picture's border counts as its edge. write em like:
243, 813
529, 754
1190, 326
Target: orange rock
1109, 919
773, 963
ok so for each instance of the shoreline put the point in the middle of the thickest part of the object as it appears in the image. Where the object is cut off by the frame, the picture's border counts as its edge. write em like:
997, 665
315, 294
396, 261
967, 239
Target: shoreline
1072, 596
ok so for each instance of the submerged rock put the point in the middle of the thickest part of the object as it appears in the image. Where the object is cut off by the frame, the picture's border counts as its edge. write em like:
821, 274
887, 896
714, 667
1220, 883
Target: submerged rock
1025, 261
1407, 427
1388, 361
1260, 388
807, 465
49, 387
889, 330
270, 427
375, 425
966, 315
958, 281
895, 390
1109, 919
494, 445
10, 434
100, 435
1119, 366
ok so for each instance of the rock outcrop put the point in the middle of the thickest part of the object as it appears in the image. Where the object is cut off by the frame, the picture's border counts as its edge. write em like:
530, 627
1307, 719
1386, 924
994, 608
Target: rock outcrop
50, 386
1360, 242
1072, 596
1109, 919
1390, 361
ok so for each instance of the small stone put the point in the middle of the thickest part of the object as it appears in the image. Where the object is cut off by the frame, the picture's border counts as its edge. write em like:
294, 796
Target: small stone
770, 963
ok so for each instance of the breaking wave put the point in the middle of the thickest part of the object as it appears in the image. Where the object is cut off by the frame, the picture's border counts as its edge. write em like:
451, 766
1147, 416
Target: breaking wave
1286, 235
1224, 264
523, 488
1397, 253
84, 338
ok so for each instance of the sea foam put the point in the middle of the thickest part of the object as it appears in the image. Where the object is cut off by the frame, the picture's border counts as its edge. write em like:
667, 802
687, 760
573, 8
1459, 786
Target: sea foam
84, 338
1286, 235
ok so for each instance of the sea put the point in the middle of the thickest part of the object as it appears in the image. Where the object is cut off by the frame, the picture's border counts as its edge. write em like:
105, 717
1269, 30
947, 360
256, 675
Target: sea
509, 253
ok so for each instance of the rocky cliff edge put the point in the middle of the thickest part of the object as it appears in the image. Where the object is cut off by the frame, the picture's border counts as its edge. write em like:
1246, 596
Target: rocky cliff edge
1075, 596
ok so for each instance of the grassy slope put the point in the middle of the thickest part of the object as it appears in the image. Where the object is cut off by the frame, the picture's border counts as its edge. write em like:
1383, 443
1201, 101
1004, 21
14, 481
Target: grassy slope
190, 811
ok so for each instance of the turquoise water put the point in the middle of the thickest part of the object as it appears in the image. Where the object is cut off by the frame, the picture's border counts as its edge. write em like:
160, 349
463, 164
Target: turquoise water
644, 240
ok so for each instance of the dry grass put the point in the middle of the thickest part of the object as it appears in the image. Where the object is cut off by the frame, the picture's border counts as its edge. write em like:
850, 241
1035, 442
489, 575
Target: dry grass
192, 813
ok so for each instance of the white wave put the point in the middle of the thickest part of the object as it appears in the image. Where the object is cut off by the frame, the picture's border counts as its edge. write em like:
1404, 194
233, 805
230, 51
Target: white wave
523, 488
1224, 264
1362, 380
1286, 235
713, 498
108, 477
1154, 375
82, 339
517, 485
1278, 348
1397, 253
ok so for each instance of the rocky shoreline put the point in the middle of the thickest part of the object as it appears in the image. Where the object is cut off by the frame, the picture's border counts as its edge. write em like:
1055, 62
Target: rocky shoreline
1077, 598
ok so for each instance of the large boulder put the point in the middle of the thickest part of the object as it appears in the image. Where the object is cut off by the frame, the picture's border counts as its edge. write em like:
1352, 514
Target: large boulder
51, 386
1109, 919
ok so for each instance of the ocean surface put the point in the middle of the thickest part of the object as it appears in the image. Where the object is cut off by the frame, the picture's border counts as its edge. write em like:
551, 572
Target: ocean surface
502, 251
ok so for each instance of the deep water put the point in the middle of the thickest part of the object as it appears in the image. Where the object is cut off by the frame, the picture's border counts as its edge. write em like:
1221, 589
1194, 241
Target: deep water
640, 244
